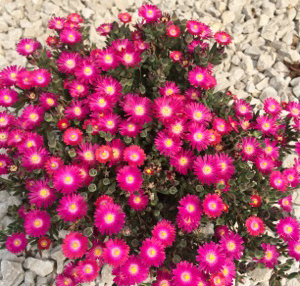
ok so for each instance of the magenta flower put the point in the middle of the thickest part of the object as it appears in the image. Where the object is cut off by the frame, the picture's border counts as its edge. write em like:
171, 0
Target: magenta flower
108, 59
16, 243
48, 100
109, 123
213, 205
9, 75
199, 113
185, 274
88, 270
198, 137
130, 179
183, 161
138, 201
56, 23
271, 255
41, 194
206, 169
32, 116
86, 71
286, 203
243, 109
67, 179
250, 148
134, 155
255, 226
288, 228
278, 181
164, 232
41, 77
116, 252
294, 249
211, 257
104, 29
294, 109
109, 218
72, 207
190, 207
170, 89
70, 36
86, 154
129, 128
37, 223
34, 158
25, 79
27, 47
152, 252
267, 125
68, 62
232, 245
292, 177
223, 38
272, 106
8, 97
150, 13
129, 57
167, 145
74, 245
77, 110
5, 162
72, 136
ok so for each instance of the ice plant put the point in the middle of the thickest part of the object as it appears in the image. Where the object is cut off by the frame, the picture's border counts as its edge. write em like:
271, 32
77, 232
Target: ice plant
128, 149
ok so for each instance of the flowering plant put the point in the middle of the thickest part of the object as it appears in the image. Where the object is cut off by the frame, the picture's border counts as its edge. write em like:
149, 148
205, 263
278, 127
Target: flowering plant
132, 152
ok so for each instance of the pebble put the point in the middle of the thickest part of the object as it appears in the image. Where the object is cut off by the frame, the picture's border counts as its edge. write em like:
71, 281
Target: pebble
265, 61
269, 92
38, 266
12, 273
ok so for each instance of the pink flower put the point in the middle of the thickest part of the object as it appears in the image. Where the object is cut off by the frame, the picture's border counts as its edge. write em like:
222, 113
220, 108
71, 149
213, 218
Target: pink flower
34, 158
222, 126
170, 89
37, 223
199, 77
243, 109
109, 123
167, 145
270, 149
130, 179
222, 231
294, 249
104, 29
67, 62
86, 71
183, 161
86, 154
137, 109
134, 155
108, 86
109, 218
5, 161
213, 205
76, 110
9, 75
129, 57
292, 177
255, 201
41, 194
48, 100
267, 125
232, 245
67, 179
27, 47
62, 280
190, 207
206, 169
133, 272
164, 232
176, 56
16, 243
163, 278
278, 181
264, 164
228, 270
88, 270
211, 257
198, 29
129, 128
185, 274
32, 116
152, 252
255, 226
173, 31
250, 148
222, 38
198, 137
199, 113
271, 255
56, 23
294, 109
53, 164
70, 36
226, 165
25, 79
104, 154
286, 203
74, 245
41, 77
116, 252
108, 59
177, 128
165, 108
288, 229
72, 207
72, 136
124, 17
272, 106
8, 97
150, 13
138, 201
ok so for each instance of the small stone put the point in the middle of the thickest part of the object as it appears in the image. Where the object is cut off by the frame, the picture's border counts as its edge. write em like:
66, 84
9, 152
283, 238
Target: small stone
207, 230
260, 274
58, 255
263, 20
38, 266
122, 4
12, 273
269, 92
10, 7
247, 65
237, 74
265, 61
227, 17
41, 281
29, 278
295, 81
279, 83
235, 60
268, 33
281, 67
253, 50
262, 84
7, 255
250, 87
87, 13
106, 276
296, 90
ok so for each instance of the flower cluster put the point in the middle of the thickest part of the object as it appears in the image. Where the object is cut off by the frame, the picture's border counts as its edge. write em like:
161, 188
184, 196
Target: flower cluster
129, 149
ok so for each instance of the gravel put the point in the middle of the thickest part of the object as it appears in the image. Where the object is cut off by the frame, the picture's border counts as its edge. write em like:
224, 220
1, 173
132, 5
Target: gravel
263, 32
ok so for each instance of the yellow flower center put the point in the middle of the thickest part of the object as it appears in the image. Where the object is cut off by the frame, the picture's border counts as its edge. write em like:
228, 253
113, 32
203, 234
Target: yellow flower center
231, 245
199, 77
139, 110
88, 71
249, 149
206, 170
129, 179
44, 193
33, 116
110, 123
75, 245
183, 161
50, 101
166, 111
37, 223
168, 142
35, 159
210, 257
185, 277
133, 269
17, 242
177, 128
137, 200
128, 58
77, 110
27, 47
109, 89
109, 218
269, 255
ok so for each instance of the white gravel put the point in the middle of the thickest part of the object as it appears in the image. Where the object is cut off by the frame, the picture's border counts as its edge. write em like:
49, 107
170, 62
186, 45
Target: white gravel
263, 32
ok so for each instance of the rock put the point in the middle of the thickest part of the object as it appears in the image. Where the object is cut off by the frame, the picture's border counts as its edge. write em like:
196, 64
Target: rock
262, 84
38, 266
41, 281
122, 5
58, 255
263, 20
87, 13
237, 74
265, 61
247, 65
235, 60
260, 274
268, 33
10, 7
269, 92
207, 230
29, 278
7, 255
106, 276
12, 273
3, 210
253, 51
227, 17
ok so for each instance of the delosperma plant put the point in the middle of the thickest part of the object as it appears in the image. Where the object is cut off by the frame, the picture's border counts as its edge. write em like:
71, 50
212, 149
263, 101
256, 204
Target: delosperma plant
132, 152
